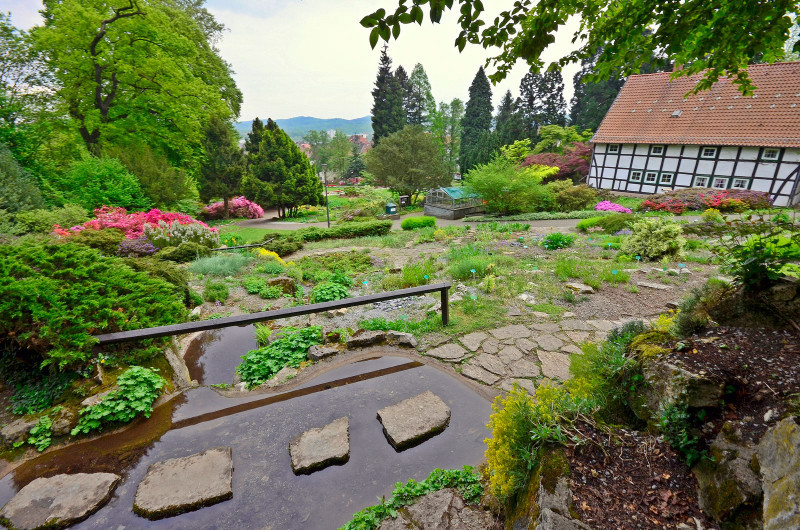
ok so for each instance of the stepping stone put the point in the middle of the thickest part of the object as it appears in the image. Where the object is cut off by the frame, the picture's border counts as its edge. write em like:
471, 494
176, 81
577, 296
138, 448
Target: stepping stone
548, 327
363, 338
549, 342
479, 374
185, 484
572, 324
317, 449
526, 345
59, 501
448, 352
513, 312
509, 354
516, 331
317, 352
489, 362
526, 384
540, 314
525, 368
402, 339
571, 348
414, 420
491, 346
656, 286
568, 314
580, 288
555, 365
578, 337
601, 325
473, 340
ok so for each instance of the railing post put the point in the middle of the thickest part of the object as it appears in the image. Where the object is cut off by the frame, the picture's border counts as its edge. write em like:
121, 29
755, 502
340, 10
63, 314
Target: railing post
445, 307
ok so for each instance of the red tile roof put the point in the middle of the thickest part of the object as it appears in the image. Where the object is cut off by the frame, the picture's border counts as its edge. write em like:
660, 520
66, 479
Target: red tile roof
644, 107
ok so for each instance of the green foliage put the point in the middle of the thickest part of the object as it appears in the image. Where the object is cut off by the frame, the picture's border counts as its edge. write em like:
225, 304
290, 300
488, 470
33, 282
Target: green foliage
466, 259
508, 189
270, 267
654, 239
223, 166
289, 349
324, 267
328, 292
184, 252
55, 296
412, 275
19, 190
569, 198
675, 423
96, 182
517, 151
215, 292
43, 220
41, 434
138, 389
554, 138
591, 273
476, 124
173, 234
494, 226
465, 480
538, 216
557, 240
609, 224
388, 114
345, 231
222, 264
283, 244
417, 327
106, 240
413, 223
694, 311
270, 292
33, 395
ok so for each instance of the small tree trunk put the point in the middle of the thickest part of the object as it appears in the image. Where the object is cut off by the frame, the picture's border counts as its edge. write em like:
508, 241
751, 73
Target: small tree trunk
226, 213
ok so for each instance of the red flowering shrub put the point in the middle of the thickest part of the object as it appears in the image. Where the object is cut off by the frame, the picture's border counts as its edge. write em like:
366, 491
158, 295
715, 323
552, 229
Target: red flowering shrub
574, 163
699, 199
131, 224
237, 207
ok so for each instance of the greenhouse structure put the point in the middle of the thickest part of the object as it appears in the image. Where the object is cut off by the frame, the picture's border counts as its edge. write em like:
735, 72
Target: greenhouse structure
452, 203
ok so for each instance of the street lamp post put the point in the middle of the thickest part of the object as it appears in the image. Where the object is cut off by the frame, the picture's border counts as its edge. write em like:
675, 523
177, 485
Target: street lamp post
325, 178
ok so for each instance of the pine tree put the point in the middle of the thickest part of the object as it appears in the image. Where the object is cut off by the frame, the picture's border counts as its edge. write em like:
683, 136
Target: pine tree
477, 121
388, 115
405, 87
421, 104
222, 168
509, 126
591, 101
542, 101
253, 139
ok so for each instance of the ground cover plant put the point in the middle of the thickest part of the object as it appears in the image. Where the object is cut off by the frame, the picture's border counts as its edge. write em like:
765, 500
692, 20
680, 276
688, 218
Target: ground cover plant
494, 226
414, 223
221, 264
289, 349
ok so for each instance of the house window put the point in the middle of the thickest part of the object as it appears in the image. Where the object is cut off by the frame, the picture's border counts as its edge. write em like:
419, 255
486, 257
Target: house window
719, 183
740, 184
666, 178
613, 148
651, 177
770, 154
708, 152
701, 182
657, 149
636, 176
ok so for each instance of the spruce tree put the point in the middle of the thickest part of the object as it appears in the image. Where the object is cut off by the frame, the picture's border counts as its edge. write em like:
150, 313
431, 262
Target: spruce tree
542, 101
405, 87
221, 171
388, 115
253, 139
591, 101
508, 126
477, 121
421, 104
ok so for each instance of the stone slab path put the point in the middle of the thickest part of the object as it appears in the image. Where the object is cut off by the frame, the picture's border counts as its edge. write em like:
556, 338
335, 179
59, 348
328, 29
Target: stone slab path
414, 420
317, 449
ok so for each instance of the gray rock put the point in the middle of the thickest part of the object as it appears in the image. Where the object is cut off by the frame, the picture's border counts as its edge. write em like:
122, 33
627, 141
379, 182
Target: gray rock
97, 398
414, 420
516, 331
571, 348
667, 382
473, 341
479, 374
549, 342
284, 374
490, 363
525, 368
59, 501
284, 282
63, 422
540, 314
317, 449
578, 337
447, 352
555, 365
555, 508
656, 286
185, 484
601, 325
318, 352
363, 338
491, 345
573, 324
17, 431
402, 339
779, 458
513, 312
580, 288
526, 384
509, 354
526, 345
440, 510
546, 327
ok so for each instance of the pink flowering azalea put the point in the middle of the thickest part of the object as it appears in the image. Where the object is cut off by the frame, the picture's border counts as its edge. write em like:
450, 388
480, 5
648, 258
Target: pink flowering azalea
131, 224
237, 207
608, 206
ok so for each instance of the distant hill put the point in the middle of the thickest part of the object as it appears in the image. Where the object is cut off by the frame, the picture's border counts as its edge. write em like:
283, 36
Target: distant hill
299, 126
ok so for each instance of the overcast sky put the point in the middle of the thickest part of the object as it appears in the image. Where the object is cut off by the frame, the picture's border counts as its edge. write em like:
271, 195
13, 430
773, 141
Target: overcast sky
312, 57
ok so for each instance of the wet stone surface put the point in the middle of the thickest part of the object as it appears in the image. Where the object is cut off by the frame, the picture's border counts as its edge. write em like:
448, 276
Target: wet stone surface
316, 449
414, 420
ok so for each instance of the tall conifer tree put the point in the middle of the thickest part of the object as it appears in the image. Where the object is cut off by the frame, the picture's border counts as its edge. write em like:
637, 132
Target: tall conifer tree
477, 121
388, 115
421, 105
508, 126
542, 101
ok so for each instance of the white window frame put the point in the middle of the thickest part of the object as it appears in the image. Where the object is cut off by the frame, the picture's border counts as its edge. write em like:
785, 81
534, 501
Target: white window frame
660, 146
670, 179
707, 179
614, 148
745, 181
770, 158
704, 155
635, 175
647, 176
714, 183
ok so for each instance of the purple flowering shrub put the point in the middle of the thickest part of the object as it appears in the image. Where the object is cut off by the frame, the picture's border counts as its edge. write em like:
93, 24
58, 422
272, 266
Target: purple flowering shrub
136, 248
238, 207
608, 206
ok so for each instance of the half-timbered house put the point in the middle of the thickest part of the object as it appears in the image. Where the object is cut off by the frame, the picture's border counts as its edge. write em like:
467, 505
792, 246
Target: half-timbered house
657, 137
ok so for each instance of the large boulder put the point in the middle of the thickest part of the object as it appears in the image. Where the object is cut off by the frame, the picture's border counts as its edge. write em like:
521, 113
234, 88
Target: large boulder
317, 449
363, 338
17, 431
667, 383
779, 458
185, 484
414, 420
285, 283
58, 501
442, 509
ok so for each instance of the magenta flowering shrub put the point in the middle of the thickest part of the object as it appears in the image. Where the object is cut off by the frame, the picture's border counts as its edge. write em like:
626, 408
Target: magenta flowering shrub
237, 207
608, 206
132, 224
